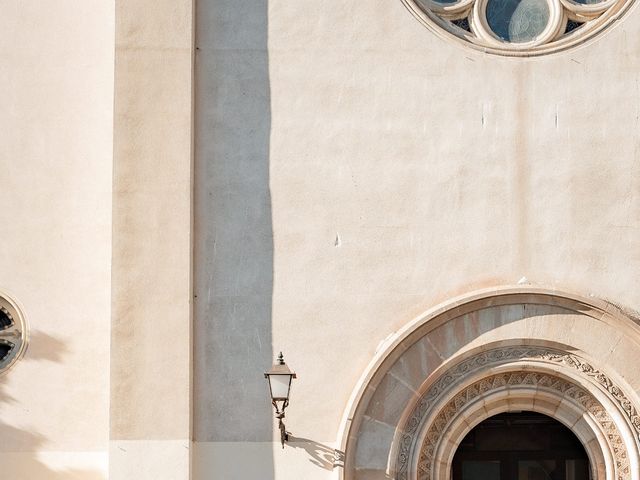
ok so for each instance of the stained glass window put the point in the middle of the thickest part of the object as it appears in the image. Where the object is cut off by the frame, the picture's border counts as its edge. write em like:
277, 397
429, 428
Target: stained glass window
517, 21
519, 27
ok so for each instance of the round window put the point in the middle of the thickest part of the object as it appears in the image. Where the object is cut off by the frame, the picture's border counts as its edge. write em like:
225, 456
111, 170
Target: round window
518, 27
13, 334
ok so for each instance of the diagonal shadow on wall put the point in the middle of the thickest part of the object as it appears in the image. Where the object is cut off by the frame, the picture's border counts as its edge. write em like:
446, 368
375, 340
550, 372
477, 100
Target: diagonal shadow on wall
233, 257
25, 445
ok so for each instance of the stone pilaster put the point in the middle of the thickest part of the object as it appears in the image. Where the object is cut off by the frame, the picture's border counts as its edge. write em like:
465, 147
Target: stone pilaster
150, 416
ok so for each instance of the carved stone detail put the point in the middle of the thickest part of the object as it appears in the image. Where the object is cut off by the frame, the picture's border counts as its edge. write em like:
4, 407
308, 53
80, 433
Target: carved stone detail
506, 355
521, 378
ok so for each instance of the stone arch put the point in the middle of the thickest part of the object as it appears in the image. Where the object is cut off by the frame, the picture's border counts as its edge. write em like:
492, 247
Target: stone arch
529, 400
512, 378
494, 351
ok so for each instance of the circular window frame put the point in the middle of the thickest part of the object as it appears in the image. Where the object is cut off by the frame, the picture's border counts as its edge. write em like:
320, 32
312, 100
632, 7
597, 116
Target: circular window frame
15, 334
595, 17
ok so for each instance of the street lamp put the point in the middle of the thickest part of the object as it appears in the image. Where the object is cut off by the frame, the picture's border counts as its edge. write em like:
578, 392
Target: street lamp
279, 378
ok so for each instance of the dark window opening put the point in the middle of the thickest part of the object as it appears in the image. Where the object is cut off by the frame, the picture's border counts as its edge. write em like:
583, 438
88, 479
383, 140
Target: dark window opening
462, 23
521, 446
5, 320
572, 25
5, 349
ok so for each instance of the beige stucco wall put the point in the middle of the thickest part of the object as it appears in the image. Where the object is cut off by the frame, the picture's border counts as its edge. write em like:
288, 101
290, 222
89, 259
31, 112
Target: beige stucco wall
354, 170
56, 93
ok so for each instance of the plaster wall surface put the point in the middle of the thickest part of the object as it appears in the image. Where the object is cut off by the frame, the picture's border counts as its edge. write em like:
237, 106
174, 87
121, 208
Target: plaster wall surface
150, 410
354, 170
56, 97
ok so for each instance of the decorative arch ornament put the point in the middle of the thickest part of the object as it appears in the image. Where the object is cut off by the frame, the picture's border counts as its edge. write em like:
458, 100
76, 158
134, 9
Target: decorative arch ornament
519, 362
522, 373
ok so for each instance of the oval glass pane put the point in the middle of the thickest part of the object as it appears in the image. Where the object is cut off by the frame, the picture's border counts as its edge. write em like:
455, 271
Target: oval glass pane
517, 21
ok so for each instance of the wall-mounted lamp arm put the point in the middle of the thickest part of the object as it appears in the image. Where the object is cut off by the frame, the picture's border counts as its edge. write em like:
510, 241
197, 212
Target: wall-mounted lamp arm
279, 378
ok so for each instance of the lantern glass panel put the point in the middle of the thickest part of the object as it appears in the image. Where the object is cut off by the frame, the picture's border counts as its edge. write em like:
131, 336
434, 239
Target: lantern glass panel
279, 386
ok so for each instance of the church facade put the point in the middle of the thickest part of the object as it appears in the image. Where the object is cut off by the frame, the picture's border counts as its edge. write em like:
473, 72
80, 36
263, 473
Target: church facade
431, 207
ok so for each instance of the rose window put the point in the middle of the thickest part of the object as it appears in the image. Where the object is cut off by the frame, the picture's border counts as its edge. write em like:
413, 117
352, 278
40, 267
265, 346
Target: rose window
12, 334
518, 27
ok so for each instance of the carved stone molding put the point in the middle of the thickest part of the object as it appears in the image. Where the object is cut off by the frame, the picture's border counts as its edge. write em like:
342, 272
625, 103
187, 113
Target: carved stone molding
514, 379
561, 387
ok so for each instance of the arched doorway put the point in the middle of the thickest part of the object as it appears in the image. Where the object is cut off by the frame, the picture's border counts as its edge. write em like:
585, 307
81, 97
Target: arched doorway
498, 351
520, 446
